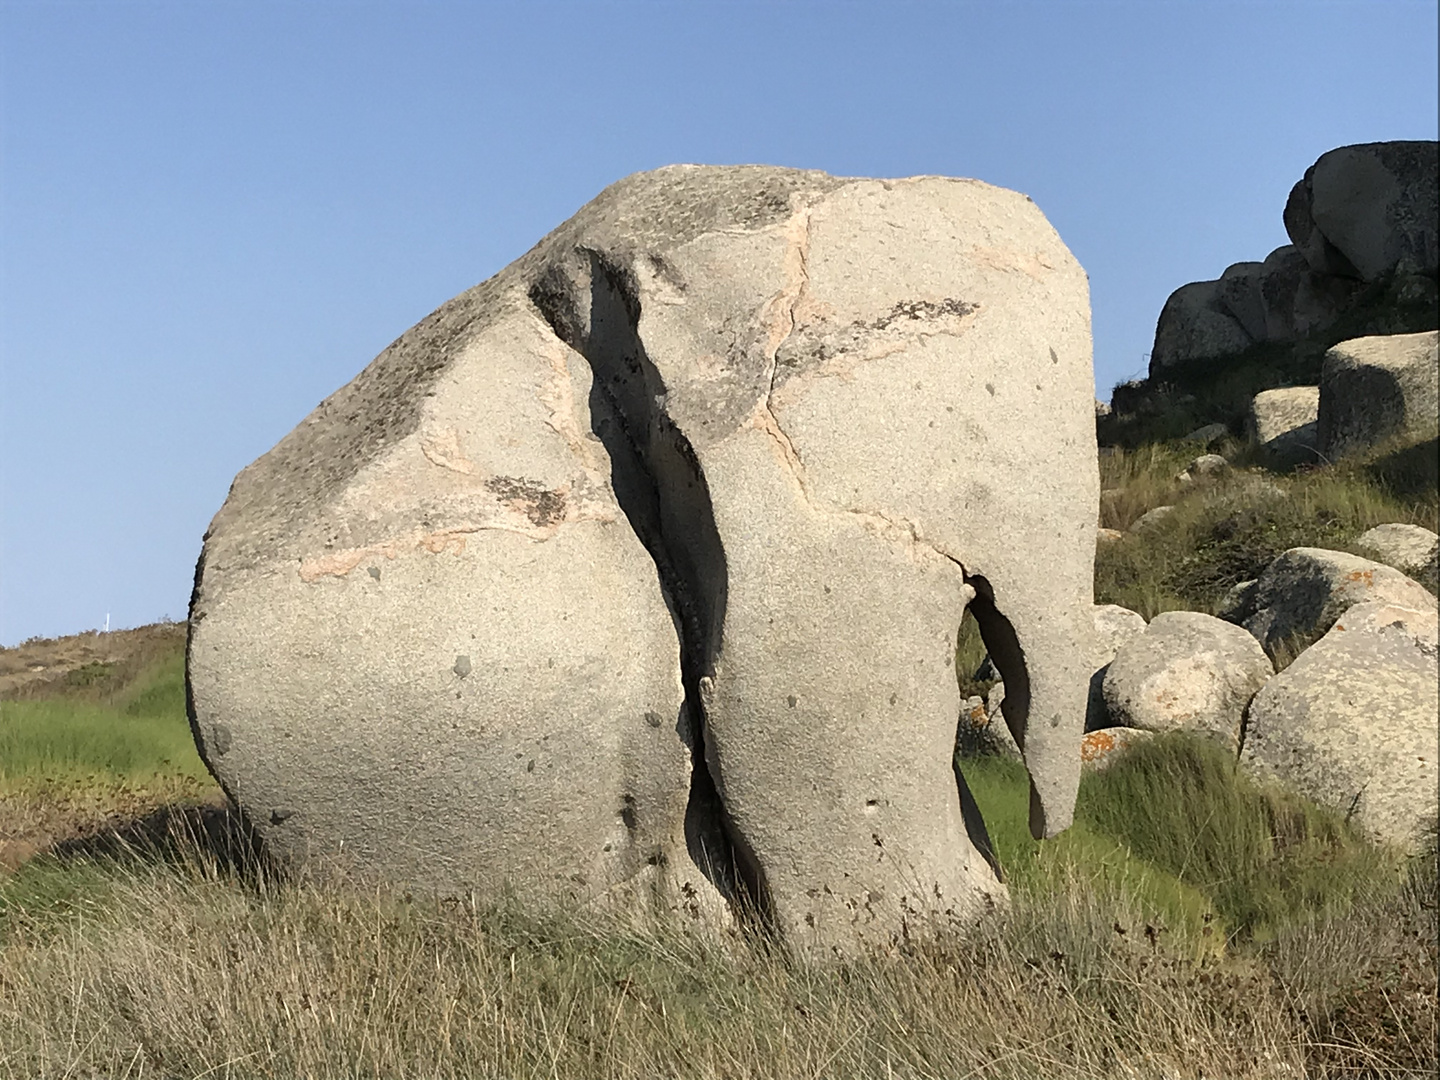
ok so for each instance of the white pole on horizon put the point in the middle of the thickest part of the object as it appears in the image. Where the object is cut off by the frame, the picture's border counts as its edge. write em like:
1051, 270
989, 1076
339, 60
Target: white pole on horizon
107, 622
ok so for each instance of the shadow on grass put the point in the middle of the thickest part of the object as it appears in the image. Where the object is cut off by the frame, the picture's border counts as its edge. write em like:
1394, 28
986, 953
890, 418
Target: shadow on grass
216, 837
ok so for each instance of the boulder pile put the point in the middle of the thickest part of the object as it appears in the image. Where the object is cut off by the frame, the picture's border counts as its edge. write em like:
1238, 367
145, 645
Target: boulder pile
1362, 220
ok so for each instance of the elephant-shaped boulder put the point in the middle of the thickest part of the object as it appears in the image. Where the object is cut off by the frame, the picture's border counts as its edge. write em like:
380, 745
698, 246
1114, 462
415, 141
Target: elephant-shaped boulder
635, 572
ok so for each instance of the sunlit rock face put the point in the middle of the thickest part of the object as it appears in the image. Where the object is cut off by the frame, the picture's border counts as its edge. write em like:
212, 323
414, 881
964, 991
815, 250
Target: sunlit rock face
633, 575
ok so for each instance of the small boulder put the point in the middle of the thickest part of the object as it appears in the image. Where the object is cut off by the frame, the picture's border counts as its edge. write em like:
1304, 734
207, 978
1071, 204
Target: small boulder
982, 731
1207, 467
1282, 423
1187, 671
1208, 435
1151, 518
1376, 388
1412, 549
1108, 536
1114, 627
1238, 603
1351, 723
1303, 592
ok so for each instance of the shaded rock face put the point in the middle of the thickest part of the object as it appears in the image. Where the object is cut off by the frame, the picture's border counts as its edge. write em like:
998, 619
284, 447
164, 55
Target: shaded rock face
1376, 388
699, 490
1351, 723
1187, 672
1361, 214
1412, 549
1362, 211
1303, 592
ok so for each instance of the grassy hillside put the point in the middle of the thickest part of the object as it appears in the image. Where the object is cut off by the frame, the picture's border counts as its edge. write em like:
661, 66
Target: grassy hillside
1190, 924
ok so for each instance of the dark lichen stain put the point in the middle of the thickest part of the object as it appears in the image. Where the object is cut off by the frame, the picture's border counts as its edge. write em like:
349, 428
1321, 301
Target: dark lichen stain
916, 310
537, 502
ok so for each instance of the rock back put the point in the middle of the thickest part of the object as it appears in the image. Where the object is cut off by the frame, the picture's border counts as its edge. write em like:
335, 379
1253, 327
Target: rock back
636, 571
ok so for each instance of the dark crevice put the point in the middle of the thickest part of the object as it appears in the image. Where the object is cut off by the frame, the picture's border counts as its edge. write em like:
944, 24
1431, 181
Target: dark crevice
974, 822
1008, 659
662, 490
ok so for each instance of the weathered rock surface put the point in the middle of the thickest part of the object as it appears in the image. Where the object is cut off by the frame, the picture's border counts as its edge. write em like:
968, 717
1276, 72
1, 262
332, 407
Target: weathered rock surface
1351, 723
1282, 423
1365, 210
1303, 592
1412, 549
812, 400
1195, 325
1101, 749
1187, 672
1376, 388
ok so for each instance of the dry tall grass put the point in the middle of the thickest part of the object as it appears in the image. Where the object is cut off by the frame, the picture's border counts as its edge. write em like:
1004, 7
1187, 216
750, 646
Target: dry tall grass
173, 962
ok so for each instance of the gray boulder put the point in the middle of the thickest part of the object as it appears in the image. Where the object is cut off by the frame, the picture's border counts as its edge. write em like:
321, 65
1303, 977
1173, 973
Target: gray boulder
1151, 519
1209, 435
1193, 325
1351, 723
824, 468
1303, 592
1366, 210
1377, 388
1187, 672
1115, 626
1412, 549
1282, 423
1238, 603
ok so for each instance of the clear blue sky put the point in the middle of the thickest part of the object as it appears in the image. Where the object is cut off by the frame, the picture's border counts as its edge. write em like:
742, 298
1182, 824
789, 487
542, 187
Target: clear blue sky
213, 214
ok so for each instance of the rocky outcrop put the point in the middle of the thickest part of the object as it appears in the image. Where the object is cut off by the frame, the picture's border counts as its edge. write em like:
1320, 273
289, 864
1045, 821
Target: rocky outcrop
1187, 672
1282, 424
1412, 549
1351, 723
1378, 388
1367, 210
1361, 217
636, 571
1303, 592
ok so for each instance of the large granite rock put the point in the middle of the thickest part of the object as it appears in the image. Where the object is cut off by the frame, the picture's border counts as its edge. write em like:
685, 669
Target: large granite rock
1194, 325
833, 412
1377, 388
1412, 549
1351, 723
1187, 672
1365, 210
1304, 590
